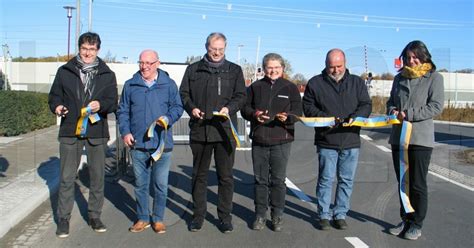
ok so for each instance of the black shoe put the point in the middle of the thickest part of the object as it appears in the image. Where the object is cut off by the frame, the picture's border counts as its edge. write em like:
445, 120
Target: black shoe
226, 227
97, 225
340, 224
277, 224
195, 225
324, 224
63, 228
259, 223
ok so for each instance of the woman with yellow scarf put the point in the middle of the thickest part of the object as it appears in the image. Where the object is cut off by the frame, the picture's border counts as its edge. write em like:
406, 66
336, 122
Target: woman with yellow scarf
417, 96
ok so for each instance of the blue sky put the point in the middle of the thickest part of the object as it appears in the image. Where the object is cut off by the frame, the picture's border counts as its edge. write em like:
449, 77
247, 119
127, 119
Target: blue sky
301, 31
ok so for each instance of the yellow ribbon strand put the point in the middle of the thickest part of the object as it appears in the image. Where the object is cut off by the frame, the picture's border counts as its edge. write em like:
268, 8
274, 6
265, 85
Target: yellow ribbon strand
234, 131
86, 115
151, 133
404, 167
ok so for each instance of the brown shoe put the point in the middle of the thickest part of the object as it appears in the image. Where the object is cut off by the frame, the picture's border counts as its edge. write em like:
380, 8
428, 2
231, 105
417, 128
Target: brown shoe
139, 226
159, 227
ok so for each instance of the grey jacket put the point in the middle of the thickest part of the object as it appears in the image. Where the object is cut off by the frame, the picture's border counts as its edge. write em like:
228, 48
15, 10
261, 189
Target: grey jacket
421, 98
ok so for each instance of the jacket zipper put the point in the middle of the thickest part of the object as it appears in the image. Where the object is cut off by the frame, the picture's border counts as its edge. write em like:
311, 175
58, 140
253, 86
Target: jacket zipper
218, 86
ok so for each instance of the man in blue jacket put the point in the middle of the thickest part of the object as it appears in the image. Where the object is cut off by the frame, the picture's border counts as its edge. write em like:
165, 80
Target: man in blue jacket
336, 93
149, 105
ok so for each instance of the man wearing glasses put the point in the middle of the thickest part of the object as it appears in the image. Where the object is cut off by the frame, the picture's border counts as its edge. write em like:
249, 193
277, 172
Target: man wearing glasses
83, 93
210, 85
149, 105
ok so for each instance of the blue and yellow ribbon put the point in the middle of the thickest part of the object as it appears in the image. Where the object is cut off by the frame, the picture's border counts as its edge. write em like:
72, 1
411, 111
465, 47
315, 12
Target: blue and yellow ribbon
317, 121
86, 115
404, 167
378, 121
234, 131
151, 133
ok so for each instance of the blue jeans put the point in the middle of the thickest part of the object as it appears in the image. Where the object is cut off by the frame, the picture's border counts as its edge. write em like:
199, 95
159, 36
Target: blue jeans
344, 163
144, 167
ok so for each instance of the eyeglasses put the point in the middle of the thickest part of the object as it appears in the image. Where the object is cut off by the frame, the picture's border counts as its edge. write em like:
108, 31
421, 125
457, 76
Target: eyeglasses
220, 50
142, 63
273, 68
91, 50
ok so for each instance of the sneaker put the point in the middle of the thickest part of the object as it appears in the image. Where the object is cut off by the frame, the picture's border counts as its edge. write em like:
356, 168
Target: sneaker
396, 230
324, 224
195, 225
63, 228
159, 227
139, 226
226, 227
413, 233
259, 223
277, 224
97, 225
340, 224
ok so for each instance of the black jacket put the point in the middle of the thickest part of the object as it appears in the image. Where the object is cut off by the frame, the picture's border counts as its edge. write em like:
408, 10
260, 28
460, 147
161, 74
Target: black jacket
323, 98
282, 96
211, 89
68, 90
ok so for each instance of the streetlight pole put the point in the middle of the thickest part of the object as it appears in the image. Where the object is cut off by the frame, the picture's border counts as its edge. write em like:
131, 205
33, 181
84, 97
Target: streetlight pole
69, 15
238, 53
90, 15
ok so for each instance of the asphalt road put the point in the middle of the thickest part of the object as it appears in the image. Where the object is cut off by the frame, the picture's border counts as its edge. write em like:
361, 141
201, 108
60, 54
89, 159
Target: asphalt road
375, 205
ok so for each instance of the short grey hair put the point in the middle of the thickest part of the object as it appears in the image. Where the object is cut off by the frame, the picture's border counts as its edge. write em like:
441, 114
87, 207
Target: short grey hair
215, 35
272, 56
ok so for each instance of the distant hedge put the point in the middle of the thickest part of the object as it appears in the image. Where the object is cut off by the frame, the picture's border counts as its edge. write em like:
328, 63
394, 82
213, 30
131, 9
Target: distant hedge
23, 111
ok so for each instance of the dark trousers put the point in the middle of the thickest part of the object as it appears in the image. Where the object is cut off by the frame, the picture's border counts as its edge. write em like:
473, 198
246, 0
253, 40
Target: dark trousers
224, 154
418, 159
70, 150
269, 168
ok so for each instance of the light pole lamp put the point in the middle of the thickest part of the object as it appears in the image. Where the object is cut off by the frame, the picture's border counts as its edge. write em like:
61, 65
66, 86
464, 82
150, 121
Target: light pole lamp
69, 16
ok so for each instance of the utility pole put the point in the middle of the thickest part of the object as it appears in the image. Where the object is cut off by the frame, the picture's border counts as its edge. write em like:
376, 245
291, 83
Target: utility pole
6, 55
78, 23
256, 58
366, 63
90, 15
238, 53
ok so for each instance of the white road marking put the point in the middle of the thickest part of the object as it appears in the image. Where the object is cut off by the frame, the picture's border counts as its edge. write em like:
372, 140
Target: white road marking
356, 242
300, 194
383, 148
244, 149
451, 181
444, 173
366, 137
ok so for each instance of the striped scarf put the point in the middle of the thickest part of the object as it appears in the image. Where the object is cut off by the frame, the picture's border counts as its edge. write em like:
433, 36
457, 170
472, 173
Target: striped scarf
89, 71
417, 71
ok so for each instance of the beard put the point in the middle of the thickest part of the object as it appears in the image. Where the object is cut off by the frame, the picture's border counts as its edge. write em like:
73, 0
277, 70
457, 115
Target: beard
337, 77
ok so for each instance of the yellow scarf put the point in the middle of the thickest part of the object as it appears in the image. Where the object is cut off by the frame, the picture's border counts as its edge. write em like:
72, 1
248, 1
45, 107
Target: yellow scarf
417, 71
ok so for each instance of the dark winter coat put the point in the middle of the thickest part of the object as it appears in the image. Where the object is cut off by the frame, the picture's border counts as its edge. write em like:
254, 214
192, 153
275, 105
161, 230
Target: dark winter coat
323, 97
282, 96
68, 90
210, 89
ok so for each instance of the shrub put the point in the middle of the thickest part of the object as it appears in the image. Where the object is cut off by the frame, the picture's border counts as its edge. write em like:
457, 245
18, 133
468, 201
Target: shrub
23, 111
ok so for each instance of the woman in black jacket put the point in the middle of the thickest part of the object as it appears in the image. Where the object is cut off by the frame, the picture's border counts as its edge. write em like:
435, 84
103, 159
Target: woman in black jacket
271, 105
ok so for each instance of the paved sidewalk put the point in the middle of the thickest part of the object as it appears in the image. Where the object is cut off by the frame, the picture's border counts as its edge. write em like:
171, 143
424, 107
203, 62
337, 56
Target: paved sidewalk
29, 173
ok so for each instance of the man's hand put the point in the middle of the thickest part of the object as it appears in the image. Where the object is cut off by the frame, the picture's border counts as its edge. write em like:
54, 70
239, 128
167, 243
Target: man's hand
283, 116
224, 110
262, 116
197, 113
61, 111
95, 106
129, 140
